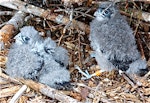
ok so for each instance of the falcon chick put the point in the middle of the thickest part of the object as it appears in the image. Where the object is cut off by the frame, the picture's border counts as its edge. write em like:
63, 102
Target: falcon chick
113, 41
54, 72
22, 61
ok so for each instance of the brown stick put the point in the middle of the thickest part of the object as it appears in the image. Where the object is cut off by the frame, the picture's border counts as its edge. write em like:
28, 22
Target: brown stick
46, 14
128, 80
50, 92
7, 32
6, 77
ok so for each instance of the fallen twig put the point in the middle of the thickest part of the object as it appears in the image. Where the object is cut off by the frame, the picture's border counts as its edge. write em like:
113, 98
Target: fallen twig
6, 77
11, 27
50, 92
18, 94
127, 78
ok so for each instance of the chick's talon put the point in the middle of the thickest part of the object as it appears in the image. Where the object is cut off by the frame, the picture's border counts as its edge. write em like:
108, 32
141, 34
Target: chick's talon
86, 74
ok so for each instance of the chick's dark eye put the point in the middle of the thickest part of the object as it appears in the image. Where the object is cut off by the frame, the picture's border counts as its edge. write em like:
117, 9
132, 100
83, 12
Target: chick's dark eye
27, 39
106, 12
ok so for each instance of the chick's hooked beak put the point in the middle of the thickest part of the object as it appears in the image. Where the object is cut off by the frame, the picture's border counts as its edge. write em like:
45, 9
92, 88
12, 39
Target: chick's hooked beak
98, 13
49, 50
18, 39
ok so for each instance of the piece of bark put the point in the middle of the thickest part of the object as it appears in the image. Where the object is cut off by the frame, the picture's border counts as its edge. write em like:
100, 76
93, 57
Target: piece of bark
46, 14
7, 31
48, 91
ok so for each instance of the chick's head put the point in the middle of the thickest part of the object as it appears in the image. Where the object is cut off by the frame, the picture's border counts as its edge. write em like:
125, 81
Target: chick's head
106, 11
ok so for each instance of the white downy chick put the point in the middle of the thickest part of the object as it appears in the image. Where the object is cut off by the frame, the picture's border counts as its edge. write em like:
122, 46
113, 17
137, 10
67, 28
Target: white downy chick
31, 57
23, 63
53, 73
113, 41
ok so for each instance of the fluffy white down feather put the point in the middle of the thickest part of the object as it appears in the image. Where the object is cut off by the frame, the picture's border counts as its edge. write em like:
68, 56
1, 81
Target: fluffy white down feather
114, 38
